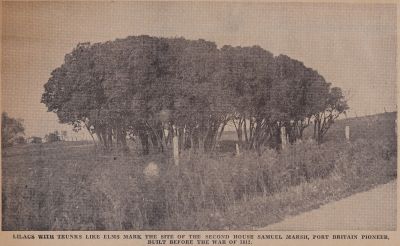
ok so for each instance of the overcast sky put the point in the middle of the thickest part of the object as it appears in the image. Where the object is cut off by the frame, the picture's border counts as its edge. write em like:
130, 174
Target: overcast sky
353, 46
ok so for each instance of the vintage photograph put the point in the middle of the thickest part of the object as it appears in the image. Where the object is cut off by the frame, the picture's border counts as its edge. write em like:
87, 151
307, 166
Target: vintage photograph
208, 116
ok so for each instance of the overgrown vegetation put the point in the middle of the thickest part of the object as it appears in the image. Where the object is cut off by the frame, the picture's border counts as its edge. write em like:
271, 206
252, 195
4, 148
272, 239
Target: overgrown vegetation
65, 187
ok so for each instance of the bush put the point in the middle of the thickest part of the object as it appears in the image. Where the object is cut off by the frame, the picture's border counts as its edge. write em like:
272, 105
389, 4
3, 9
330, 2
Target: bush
53, 137
36, 140
20, 140
362, 160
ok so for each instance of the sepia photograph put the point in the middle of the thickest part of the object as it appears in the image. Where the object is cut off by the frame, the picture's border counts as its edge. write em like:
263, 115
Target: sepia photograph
198, 116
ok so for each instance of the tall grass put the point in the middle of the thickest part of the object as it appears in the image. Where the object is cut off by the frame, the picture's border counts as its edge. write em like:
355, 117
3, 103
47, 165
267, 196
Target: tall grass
202, 192
81, 189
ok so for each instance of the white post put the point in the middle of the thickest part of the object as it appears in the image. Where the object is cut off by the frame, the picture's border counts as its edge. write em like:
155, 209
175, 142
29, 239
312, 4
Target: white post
283, 137
237, 149
347, 132
175, 149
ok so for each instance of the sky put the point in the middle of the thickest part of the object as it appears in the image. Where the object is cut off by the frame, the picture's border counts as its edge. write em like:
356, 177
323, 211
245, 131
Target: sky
353, 46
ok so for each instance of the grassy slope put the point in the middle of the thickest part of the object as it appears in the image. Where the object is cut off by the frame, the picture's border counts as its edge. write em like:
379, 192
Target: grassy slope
54, 187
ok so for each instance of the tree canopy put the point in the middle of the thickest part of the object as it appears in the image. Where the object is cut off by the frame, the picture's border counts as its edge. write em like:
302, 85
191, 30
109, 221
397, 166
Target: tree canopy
156, 88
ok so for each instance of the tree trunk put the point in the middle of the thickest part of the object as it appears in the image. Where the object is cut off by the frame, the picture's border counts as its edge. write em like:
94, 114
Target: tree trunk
222, 129
201, 145
144, 139
123, 140
109, 136
246, 139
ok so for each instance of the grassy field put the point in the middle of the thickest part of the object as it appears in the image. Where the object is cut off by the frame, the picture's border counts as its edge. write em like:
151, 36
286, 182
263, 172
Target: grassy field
74, 186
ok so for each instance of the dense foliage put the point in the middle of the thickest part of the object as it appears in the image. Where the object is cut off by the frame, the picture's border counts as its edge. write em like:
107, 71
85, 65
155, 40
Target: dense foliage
157, 88
53, 137
12, 131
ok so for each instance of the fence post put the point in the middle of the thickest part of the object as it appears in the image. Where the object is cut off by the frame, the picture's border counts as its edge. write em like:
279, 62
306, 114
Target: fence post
175, 150
347, 133
283, 137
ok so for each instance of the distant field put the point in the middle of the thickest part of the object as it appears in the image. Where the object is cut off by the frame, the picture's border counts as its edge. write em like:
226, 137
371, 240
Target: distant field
74, 186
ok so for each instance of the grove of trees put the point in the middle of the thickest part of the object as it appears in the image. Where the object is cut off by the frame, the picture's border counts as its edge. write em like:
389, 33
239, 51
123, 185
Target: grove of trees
153, 89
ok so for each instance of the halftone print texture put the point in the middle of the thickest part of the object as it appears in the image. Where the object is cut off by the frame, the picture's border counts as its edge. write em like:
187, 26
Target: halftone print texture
183, 116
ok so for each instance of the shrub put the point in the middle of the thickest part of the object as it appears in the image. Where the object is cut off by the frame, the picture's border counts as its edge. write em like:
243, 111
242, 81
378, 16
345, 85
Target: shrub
20, 140
53, 137
36, 140
363, 159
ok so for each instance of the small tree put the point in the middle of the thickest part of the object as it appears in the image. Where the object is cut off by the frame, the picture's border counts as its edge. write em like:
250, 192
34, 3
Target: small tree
11, 129
336, 104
